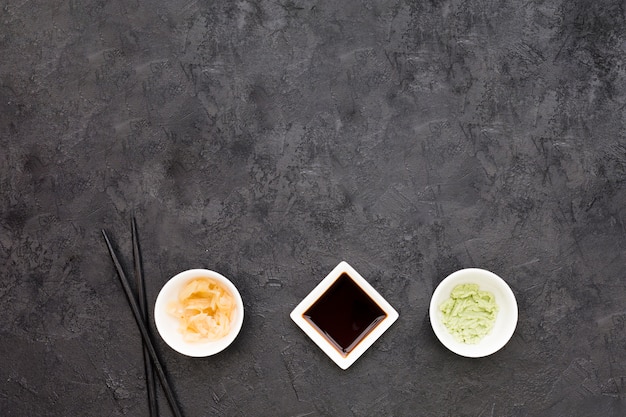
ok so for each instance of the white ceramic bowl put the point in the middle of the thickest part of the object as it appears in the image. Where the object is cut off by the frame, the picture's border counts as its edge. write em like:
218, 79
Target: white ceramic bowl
167, 325
506, 320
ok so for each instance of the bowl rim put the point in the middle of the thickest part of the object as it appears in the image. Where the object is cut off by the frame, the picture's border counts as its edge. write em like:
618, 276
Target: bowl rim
167, 325
506, 322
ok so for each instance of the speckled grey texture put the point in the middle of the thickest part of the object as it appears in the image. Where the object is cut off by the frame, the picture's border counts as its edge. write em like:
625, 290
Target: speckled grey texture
269, 140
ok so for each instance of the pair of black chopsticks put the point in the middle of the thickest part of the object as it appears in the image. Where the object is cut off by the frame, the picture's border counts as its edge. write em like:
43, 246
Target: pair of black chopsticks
139, 308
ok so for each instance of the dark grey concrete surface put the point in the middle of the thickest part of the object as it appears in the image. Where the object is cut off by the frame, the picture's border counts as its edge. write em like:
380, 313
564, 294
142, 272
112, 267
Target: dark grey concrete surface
269, 140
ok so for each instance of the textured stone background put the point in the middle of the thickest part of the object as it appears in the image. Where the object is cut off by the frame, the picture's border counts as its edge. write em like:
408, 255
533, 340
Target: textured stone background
269, 140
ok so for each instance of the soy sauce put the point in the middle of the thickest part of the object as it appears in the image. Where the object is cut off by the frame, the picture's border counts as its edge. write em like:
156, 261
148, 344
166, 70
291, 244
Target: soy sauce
344, 314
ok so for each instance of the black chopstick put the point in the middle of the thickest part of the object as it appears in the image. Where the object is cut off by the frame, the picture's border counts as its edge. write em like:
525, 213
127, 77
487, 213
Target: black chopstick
143, 329
143, 306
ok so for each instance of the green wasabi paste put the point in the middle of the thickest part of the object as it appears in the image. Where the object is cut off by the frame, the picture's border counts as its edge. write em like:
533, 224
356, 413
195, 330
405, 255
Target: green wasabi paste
469, 314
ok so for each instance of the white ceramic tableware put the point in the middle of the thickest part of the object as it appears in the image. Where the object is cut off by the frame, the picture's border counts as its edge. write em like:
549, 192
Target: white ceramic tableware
366, 294
168, 325
506, 320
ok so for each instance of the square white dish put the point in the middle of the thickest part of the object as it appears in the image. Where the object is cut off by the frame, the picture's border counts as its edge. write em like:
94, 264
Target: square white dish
344, 357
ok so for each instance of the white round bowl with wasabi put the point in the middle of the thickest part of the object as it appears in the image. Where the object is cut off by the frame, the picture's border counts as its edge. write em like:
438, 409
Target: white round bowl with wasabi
473, 312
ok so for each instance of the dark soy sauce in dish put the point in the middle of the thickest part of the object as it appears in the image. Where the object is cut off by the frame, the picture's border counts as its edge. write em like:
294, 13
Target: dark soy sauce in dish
344, 314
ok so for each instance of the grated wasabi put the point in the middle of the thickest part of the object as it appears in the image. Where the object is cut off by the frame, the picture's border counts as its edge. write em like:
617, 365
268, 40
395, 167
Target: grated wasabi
469, 314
